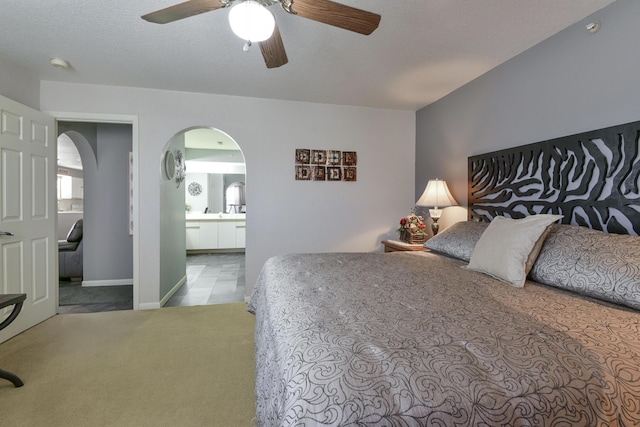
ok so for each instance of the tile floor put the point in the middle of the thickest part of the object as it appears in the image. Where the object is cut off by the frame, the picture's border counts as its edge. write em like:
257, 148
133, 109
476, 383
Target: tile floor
211, 279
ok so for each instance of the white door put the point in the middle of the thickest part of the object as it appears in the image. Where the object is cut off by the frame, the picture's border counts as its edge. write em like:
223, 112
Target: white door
27, 211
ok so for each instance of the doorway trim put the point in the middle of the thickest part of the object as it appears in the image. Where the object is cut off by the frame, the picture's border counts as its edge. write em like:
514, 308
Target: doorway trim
119, 119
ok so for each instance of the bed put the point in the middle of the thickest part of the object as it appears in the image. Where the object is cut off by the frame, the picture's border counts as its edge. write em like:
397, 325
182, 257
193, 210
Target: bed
438, 338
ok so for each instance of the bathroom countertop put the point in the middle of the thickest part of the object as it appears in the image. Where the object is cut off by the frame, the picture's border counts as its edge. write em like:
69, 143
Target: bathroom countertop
215, 216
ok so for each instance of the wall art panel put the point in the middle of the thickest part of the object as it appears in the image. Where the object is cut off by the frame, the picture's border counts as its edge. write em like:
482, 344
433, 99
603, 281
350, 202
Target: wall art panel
592, 178
326, 165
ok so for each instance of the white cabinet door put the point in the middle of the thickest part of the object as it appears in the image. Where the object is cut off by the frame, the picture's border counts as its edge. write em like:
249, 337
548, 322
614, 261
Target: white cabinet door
208, 235
226, 234
193, 234
241, 233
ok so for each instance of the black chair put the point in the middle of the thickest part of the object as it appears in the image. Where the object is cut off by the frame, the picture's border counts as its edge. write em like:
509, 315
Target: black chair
70, 253
16, 301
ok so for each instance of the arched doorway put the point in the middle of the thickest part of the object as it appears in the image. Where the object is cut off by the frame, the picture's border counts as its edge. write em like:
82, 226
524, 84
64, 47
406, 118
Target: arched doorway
214, 218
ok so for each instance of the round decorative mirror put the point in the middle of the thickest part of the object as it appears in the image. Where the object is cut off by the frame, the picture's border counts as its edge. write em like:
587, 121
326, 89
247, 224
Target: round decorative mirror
169, 165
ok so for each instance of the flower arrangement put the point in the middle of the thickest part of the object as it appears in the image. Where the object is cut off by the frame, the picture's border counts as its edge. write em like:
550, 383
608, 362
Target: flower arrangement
412, 228
413, 223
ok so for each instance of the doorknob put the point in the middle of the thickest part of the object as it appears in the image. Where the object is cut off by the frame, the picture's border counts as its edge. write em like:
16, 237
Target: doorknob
6, 233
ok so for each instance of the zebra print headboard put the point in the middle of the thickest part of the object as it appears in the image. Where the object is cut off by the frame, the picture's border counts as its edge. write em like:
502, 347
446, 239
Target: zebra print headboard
592, 178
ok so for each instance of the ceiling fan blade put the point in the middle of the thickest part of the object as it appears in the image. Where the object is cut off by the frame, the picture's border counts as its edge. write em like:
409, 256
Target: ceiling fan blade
338, 15
273, 50
182, 10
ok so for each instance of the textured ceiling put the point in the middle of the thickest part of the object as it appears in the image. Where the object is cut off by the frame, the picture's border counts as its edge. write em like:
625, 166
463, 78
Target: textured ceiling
422, 50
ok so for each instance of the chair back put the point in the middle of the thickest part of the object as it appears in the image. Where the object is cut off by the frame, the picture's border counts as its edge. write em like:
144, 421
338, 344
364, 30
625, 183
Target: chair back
75, 234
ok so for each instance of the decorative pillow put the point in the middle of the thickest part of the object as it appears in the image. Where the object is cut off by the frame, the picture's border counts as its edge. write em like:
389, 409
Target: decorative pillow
509, 247
591, 262
458, 240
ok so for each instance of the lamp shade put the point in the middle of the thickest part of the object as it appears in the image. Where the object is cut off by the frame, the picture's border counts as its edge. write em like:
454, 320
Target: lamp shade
251, 21
436, 194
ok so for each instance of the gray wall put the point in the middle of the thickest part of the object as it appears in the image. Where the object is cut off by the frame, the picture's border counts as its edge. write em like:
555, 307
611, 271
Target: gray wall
108, 247
112, 207
90, 133
173, 238
570, 83
19, 85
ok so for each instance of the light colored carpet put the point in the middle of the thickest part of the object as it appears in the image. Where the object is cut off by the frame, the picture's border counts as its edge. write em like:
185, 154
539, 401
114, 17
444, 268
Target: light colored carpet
176, 366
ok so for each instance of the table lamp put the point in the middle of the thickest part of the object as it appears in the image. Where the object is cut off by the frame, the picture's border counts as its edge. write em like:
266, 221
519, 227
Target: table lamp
436, 194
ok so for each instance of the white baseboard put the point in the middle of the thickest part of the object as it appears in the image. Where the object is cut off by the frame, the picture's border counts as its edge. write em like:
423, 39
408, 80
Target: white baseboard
148, 305
173, 290
112, 282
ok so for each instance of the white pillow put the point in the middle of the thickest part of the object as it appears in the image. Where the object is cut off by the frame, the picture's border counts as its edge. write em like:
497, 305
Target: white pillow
508, 247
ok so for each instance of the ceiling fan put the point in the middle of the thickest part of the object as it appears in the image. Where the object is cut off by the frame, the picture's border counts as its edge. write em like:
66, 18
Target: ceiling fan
325, 11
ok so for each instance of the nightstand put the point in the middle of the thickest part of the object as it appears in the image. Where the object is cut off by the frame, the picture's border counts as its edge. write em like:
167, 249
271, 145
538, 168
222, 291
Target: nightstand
398, 246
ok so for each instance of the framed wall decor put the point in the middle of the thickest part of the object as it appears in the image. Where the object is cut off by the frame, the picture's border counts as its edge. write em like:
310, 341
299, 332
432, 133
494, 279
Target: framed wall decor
303, 156
340, 165
181, 169
195, 189
334, 173
318, 157
318, 173
303, 173
349, 174
334, 157
349, 158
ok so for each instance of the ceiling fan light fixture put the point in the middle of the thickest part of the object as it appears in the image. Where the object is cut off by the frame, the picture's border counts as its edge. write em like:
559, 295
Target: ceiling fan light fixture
251, 21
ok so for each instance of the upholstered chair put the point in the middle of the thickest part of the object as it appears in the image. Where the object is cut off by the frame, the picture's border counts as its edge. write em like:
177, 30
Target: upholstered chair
70, 253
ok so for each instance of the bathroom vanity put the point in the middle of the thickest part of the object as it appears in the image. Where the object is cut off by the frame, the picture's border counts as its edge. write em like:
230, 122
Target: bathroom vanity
215, 231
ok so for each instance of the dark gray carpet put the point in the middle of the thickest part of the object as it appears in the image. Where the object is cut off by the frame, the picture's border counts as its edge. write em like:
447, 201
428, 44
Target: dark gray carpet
73, 293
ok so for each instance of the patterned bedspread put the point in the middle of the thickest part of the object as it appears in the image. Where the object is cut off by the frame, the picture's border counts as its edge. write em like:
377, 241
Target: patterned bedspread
414, 339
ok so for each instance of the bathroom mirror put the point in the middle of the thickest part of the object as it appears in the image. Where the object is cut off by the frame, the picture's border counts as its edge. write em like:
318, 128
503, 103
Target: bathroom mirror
215, 177
234, 198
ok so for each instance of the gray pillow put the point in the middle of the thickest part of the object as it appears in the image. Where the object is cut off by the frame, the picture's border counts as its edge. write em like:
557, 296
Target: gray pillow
591, 262
458, 240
